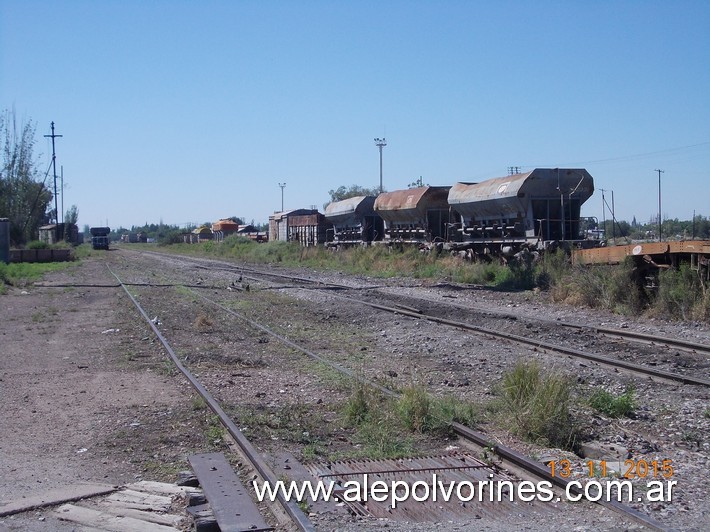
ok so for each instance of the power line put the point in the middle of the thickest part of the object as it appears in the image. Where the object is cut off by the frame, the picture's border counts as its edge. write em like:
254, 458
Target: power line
620, 158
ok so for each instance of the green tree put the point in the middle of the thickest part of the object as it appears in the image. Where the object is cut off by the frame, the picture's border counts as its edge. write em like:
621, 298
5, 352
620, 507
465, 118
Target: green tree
72, 215
23, 199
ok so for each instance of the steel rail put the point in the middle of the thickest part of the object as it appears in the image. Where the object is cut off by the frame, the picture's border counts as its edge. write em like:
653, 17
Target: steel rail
538, 344
694, 347
630, 335
291, 508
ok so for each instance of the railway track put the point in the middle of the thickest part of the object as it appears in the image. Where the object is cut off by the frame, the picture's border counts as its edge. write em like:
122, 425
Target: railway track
339, 290
250, 453
531, 467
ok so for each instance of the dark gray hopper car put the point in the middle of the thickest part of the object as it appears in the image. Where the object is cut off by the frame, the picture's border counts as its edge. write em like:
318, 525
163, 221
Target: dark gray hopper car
531, 209
354, 221
415, 215
99, 237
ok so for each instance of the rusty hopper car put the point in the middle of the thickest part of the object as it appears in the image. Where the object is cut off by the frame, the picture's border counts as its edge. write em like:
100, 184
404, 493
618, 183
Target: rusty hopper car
99, 237
502, 215
354, 221
414, 215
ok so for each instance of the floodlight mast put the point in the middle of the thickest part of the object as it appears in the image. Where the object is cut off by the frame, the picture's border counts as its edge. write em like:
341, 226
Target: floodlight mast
380, 143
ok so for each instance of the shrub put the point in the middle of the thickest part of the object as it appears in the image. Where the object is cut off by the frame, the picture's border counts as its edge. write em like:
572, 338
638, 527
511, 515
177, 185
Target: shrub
420, 412
682, 295
415, 409
357, 408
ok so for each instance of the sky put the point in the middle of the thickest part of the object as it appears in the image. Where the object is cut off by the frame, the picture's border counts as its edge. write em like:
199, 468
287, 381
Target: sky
190, 111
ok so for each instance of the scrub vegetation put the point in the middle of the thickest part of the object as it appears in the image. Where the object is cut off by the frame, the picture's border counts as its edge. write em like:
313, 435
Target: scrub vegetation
388, 427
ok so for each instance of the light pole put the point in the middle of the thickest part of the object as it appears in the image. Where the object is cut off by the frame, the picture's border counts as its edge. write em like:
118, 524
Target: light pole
381, 143
282, 185
659, 202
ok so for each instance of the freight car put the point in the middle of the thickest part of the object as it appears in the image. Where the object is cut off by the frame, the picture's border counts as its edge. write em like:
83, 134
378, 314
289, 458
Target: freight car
354, 221
536, 209
99, 237
416, 215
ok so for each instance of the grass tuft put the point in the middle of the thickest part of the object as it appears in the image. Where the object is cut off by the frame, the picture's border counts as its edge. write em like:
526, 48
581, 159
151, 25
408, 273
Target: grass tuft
536, 405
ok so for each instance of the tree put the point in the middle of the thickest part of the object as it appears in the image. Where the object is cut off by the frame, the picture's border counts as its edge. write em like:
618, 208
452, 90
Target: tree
417, 183
23, 199
72, 215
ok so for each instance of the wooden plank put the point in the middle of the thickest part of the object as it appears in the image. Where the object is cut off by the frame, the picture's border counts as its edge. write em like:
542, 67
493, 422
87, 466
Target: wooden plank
102, 520
230, 501
55, 497
161, 488
140, 501
166, 519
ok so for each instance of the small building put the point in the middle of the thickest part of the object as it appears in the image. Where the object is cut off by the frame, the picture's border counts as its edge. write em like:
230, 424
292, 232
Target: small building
306, 226
354, 221
415, 215
64, 232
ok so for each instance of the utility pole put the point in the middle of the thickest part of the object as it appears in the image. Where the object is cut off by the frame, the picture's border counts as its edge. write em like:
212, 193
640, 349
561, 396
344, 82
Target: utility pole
604, 212
512, 170
381, 143
613, 218
61, 168
659, 202
562, 205
282, 185
54, 169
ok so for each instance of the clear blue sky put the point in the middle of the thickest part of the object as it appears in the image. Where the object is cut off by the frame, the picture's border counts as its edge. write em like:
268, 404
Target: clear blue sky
190, 111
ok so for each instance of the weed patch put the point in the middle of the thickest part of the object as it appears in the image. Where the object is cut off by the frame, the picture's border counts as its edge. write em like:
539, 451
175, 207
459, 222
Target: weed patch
535, 405
613, 405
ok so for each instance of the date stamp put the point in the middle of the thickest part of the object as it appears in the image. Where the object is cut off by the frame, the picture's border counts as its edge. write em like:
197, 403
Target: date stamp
630, 469
655, 477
